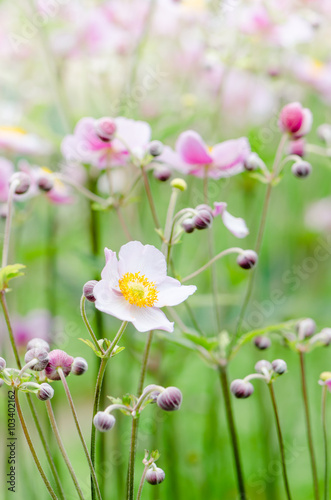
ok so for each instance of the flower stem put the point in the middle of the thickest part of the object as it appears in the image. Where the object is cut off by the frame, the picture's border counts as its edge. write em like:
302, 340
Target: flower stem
280, 440
87, 324
211, 262
166, 245
233, 432
326, 458
9, 328
133, 445
150, 198
308, 426
144, 363
33, 451
9, 217
55, 429
142, 482
74, 413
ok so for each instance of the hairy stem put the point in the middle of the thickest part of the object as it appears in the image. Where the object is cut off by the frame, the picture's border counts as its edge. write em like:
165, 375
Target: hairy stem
325, 439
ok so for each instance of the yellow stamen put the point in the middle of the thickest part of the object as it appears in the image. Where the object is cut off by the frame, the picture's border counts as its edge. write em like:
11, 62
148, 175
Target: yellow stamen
13, 130
138, 290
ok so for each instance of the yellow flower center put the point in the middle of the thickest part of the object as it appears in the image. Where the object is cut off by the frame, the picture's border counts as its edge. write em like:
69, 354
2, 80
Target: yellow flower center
13, 130
138, 290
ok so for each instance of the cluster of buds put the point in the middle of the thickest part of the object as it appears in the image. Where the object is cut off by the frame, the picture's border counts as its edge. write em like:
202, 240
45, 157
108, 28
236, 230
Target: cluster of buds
262, 342
243, 388
305, 338
168, 399
202, 218
153, 474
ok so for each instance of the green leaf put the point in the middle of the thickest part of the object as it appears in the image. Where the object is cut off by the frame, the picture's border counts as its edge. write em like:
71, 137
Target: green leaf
8, 273
92, 346
260, 178
207, 343
155, 455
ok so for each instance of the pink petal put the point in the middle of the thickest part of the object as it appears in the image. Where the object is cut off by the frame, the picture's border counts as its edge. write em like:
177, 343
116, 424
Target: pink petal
235, 225
172, 293
135, 257
306, 123
173, 160
110, 271
135, 134
219, 207
192, 149
229, 157
151, 318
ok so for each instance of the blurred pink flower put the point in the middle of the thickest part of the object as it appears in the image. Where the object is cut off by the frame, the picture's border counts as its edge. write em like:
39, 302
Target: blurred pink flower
6, 171
295, 120
37, 323
17, 140
135, 286
318, 215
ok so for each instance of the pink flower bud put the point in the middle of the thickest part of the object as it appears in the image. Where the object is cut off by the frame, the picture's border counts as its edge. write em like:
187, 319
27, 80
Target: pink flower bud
247, 259
170, 399
45, 183
155, 475
104, 421
262, 342
105, 128
188, 225
162, 173
41, 357
301, 169
252, 162
38, 343
155, 148
279, 366
241, 389
203, 219
58, 359
88, 290
306, 328
79, 366
45, 392
295, 120
2, 364
24, 182
262, 365
297, 147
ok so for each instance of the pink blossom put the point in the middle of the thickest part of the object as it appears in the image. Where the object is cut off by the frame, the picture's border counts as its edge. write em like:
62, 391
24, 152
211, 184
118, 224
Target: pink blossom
235, 225
17, 140
36, 323
134, 287
295, 120
58, 359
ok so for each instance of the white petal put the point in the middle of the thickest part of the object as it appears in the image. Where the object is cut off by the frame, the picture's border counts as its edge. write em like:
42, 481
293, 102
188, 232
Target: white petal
172, 293
112, 302
135, 257
151, 318
235, 225
110, 271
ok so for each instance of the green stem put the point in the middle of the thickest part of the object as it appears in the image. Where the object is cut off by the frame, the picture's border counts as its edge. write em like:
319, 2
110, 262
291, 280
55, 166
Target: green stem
144, 363
325, 439
232, 431
87, 324
142, 482
9, 328
280, 440
308, 426
166, 245
150, 198
33, 451
55, 430
133, 446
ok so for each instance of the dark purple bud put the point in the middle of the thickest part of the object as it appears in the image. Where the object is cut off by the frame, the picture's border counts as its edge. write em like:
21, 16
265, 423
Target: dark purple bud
279, 366
155, 148
105, 128
104, 421
38, 343
45, 183
162, 173
203, 219
58, 359
2, 364
88, 290
45, 392
262, 342
263, 365
41, 357
306, 328
204, 206
252, 162
188, 225
301, 169
247, 259
170, 399
79, 366
241, 389
24, 182
155, 475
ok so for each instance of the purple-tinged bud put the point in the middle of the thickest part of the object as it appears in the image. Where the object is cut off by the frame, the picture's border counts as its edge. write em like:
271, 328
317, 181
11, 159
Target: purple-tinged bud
203, 219
297, 147
38, 343
295, 120
204, 206
153, 395
45, 183
170, 399
252, 162
306, 328
279, 366
262, 342
24, 182
88, 290
247, 259
1, 382
41, 357
301, 169
325, 335
104, 421
79, 366
58, 359
241, 389
105, 128
155, 148
324, 133
162, 173
2, 364
155, 475
45, 392
188, 225
263, 365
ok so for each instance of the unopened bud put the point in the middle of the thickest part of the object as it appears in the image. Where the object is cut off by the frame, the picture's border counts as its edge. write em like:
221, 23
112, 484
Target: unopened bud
247, 259
188, 225
105, 128
262, 366
262, 342
179, 184
155, 475
301, 169
324, 133
24, 182
79, 366
306, 328
2, 364
325, 336
45, 183
162, 173
88, 290
252, 162
104, 421
325, 376
58, 359
170, 399
241, 389
203, 219
45, 392
38, 343
297, 147
155, 148
279, 366
41, 357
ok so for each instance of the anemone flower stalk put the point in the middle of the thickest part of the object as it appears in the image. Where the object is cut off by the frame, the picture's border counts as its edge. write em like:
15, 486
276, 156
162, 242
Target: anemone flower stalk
325, 439
6, 240
32, 449
117, 208
74, 413
150, 197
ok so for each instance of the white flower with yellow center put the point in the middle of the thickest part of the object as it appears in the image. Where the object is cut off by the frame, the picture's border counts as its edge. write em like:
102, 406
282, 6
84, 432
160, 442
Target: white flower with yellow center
135, 286
17, 140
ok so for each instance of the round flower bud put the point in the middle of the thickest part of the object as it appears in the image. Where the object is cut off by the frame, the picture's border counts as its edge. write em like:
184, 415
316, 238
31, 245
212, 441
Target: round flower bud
295, 120
155, 148
45, 183
263, 365
24, 182
252, 162
297, 147
79, 366
170, 399
324, 133
45, 392
2, 364
88, 290
204, 206
203, 219
306, 328
325, 376
41, 357
325, 336
241, 389
105, 128
162, 173
179, 184
104, 421
262, 342
188, 225
155, 475
279, 366
301, 169
153, 395
58, 359
38, 343
247, 259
